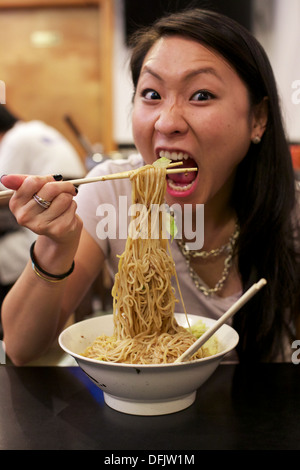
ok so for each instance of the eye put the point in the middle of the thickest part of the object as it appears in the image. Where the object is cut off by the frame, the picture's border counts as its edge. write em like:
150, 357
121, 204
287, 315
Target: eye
149, 94
202, 95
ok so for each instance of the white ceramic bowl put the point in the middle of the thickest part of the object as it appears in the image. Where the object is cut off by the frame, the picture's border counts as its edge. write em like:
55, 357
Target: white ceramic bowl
144, 389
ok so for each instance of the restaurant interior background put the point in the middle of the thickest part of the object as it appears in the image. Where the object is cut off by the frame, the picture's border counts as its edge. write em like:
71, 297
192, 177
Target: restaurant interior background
69, 58
66, 62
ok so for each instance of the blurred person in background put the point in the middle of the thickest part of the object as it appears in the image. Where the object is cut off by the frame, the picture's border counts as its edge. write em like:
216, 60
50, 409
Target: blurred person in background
31, 148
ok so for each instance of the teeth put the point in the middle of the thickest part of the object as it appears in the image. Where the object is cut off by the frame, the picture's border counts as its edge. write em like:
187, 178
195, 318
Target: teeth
177, 187
173, 155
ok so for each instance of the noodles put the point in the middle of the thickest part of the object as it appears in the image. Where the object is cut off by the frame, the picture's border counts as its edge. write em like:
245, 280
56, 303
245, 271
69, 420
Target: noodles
145, 329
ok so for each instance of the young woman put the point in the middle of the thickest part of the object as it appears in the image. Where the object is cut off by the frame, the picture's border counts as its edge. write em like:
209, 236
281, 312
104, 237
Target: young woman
204, 93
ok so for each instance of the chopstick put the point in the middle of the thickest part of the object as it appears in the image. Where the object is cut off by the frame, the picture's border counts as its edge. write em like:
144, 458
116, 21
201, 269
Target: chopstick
230, 312
114, 176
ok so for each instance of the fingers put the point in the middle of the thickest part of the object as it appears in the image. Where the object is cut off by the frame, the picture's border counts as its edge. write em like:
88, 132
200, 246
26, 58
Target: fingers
46, 184
13, 181
59, 221
45, 187
41, 201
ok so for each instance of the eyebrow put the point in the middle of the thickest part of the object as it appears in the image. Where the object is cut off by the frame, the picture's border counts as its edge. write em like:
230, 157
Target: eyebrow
188, 76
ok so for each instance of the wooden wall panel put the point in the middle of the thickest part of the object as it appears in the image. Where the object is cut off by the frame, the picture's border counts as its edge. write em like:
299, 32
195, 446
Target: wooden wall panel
53, 64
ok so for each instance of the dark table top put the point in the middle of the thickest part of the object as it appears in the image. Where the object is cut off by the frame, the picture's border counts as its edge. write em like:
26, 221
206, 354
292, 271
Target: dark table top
238, 408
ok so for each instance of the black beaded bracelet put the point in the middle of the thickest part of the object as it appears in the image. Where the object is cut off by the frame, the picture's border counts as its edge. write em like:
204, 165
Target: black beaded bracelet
54, 276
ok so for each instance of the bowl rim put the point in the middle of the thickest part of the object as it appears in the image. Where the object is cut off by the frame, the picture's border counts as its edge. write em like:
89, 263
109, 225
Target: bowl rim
89, 360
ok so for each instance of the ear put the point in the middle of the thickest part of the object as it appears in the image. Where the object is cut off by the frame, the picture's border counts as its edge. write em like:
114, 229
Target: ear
259, 120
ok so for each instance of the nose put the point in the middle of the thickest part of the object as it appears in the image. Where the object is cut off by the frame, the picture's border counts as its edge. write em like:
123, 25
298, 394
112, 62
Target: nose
171, 120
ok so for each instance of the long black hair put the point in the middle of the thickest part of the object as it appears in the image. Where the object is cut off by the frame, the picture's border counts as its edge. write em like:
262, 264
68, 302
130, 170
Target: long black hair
264, 195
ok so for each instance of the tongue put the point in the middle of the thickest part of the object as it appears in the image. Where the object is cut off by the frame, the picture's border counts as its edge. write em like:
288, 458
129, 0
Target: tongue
184, 178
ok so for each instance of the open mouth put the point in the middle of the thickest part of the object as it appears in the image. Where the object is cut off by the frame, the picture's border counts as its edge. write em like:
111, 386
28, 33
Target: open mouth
181, 184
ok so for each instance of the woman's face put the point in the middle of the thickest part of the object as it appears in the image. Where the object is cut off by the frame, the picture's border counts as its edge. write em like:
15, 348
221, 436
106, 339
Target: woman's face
191, 105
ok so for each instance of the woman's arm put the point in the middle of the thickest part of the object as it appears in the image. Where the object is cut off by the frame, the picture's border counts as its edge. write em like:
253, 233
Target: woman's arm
35, 310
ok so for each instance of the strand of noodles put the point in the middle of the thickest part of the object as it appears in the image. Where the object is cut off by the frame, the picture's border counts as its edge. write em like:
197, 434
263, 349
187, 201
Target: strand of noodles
145, 329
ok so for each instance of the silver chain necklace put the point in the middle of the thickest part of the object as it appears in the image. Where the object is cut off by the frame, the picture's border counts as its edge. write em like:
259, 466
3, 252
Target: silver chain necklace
228, 248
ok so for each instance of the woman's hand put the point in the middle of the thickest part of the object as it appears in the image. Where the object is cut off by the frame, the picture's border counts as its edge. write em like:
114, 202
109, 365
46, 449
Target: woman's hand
58, 221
